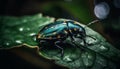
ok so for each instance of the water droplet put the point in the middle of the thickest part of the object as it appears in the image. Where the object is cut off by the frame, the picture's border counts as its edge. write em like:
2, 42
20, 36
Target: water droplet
18, 41
21, 29
7, 44
67, 58
34, 38
103, 48
32, 34
102, 10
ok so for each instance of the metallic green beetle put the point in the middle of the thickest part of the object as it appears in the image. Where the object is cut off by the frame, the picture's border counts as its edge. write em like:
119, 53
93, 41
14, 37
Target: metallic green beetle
57, 32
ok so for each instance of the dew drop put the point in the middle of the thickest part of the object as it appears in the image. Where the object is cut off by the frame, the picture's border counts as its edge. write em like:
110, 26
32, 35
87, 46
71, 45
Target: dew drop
32, 34
67, 58
21, 29
102, 10
103, 48
7, 44
18, 41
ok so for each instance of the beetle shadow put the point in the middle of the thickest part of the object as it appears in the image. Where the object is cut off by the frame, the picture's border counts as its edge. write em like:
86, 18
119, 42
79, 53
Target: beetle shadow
51, 50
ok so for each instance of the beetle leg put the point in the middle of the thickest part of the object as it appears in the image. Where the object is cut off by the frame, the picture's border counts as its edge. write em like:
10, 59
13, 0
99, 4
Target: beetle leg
85, 43
80, 47
83, 39
56, 44
40, 42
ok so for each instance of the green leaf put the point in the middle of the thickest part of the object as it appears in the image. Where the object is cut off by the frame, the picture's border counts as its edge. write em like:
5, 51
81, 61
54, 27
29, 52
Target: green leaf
98, 54
19, 30
95, 56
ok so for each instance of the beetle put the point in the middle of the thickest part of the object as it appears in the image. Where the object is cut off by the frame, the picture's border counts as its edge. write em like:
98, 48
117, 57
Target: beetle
59, 31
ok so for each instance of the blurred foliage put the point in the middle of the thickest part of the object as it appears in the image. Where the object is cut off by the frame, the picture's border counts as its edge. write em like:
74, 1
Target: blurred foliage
66, 8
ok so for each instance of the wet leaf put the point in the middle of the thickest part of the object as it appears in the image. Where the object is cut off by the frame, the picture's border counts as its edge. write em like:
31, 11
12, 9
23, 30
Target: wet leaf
98, 54
19, 30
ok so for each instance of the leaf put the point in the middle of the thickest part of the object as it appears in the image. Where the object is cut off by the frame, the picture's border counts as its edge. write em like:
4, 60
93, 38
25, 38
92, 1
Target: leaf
99, 54
95, 56
16, 31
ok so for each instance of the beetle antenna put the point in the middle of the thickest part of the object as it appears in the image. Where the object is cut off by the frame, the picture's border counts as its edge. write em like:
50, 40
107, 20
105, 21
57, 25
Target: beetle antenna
92, 22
